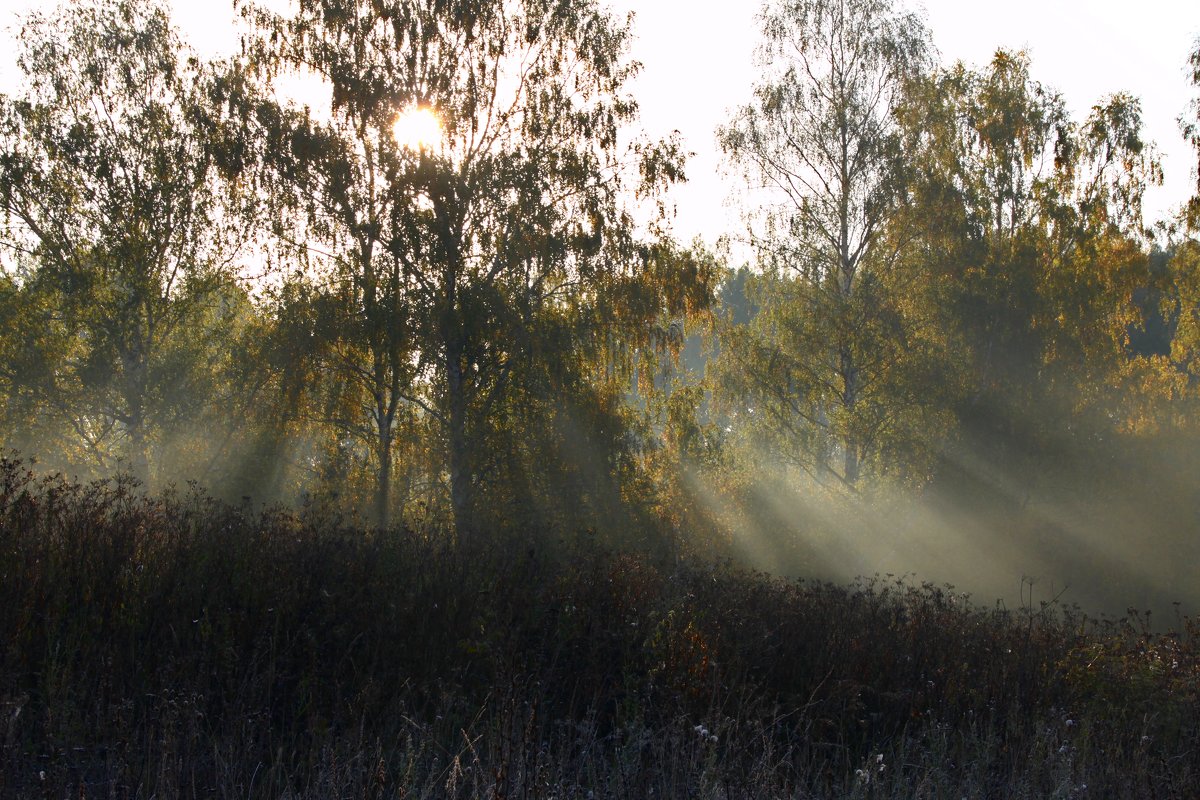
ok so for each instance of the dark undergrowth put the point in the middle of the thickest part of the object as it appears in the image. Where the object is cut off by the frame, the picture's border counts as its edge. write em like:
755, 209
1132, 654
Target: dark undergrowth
178, 647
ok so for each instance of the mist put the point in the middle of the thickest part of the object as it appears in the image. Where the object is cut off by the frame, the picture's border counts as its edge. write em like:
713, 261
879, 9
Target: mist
969, 360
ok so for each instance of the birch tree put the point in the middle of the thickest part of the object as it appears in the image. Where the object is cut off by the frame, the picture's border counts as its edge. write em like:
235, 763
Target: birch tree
450, 245
114, 217
819, 148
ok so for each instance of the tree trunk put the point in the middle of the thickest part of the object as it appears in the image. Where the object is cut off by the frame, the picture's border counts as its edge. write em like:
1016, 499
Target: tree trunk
139, 460
459, 455
849, 402
851, 467
454, 334
134, 391
383, 485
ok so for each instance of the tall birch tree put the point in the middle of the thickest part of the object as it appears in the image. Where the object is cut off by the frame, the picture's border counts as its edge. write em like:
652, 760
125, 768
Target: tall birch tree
819, 148
450, 246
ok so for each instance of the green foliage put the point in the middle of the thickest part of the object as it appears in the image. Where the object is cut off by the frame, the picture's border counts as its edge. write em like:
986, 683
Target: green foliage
1031, 224
830, 374
119, 232
1184, 266
784, 383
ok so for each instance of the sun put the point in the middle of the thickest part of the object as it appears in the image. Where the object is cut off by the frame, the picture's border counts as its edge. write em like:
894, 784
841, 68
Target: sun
418, 128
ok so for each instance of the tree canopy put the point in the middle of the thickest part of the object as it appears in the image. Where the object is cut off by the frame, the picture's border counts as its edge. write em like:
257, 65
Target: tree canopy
447, 293
119, 231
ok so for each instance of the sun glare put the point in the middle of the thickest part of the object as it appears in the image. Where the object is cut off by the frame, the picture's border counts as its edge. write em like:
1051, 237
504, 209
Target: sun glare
418, 127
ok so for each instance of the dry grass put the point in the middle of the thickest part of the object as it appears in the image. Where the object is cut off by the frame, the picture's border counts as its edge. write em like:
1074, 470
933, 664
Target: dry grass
177, 647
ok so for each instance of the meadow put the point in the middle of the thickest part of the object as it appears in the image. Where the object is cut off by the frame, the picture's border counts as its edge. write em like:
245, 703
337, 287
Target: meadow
179, 647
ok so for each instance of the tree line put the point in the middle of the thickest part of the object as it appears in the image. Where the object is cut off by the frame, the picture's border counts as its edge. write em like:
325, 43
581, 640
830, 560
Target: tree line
953, 283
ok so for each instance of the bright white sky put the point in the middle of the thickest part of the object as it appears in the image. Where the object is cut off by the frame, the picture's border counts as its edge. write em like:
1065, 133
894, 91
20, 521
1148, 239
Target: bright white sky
698, 57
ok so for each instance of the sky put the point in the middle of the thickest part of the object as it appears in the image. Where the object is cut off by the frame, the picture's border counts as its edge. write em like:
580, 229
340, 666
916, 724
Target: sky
698, 67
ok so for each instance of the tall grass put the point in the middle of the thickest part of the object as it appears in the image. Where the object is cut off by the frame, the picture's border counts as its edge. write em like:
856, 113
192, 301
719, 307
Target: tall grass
179, 647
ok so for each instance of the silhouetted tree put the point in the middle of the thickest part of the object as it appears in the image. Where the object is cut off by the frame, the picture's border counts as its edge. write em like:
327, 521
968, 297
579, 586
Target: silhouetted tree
449, 253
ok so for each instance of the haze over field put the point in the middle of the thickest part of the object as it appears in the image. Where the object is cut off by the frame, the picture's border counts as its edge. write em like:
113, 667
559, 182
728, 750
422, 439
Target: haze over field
968, 357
